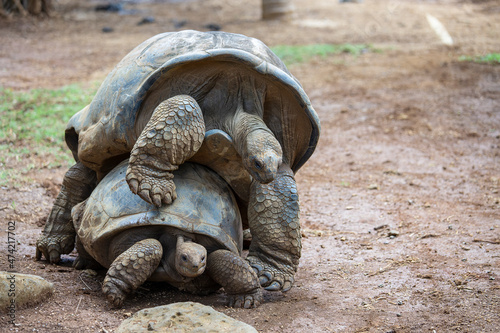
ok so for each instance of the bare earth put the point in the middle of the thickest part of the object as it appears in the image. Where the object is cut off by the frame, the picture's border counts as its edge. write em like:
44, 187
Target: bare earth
399, 203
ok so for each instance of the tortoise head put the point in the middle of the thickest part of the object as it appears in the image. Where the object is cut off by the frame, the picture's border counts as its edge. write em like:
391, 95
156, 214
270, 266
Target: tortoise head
190, 258
262, 156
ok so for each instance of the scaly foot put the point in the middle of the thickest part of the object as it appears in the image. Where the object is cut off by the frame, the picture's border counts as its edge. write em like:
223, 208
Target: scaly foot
174, 133
273, 215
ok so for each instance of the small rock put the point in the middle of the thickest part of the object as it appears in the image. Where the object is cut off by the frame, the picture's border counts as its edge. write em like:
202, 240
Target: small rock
373, 187
184, 317
179, 23
383, 226
393, 233
213, 27
146, 20
109, 7
24, 289
107, 29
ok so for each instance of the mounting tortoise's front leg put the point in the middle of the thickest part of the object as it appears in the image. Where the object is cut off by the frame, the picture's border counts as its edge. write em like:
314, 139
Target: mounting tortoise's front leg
237, 277
174, 133
273, 216
131, 269
58, 236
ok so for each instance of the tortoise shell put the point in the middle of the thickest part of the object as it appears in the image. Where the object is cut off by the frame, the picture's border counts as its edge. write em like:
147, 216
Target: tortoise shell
203, 65
206, 209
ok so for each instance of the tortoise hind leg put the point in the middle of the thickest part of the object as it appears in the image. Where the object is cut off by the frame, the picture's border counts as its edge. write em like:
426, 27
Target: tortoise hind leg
273, 216
131, 269
58, 236
174, 133
237, 277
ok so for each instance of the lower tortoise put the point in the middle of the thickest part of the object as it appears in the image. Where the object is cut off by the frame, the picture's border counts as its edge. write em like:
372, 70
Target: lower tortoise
193, 244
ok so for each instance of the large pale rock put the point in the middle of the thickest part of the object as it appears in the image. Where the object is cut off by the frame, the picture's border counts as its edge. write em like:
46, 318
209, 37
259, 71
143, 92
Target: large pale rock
182, 317
23, 290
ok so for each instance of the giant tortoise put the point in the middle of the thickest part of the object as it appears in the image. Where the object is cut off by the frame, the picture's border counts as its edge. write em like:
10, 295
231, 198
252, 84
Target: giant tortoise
153, 109
194, 243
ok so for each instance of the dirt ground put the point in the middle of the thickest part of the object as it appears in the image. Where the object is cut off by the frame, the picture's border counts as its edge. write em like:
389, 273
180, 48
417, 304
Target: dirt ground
399, 204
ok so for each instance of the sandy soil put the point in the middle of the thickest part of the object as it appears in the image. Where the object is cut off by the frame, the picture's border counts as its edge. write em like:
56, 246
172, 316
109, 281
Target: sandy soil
399, 204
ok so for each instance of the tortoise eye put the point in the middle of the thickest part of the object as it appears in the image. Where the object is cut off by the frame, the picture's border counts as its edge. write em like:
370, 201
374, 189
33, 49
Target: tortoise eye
184, 257
258, 165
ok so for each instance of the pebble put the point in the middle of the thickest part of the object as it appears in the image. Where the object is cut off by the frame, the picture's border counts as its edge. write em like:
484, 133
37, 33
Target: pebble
146, 20
393, 233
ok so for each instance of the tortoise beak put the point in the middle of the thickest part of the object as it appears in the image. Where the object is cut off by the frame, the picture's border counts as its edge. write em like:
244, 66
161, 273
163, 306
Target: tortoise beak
194, 271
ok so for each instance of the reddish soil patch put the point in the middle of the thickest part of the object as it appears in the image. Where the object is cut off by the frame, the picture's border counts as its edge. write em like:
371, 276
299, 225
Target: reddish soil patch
399, 204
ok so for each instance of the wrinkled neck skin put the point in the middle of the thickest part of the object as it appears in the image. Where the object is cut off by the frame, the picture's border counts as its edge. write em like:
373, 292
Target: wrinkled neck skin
167, 271
260, 150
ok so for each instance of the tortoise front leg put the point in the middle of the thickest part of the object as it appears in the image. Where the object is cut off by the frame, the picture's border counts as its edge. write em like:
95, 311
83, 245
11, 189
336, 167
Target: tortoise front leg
273, 216
174, 133
237, 277
131, 269
58, 236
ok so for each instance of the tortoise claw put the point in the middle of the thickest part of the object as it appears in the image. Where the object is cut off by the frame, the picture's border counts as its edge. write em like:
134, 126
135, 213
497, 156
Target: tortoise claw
247, 301
167, 199
265, 277
153, 187
275, 286
144, 194
156, 199
270, 277
134, 185
287, 286
51, 247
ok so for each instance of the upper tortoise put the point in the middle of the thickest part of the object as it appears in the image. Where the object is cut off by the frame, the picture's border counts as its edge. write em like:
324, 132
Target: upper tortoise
219, 99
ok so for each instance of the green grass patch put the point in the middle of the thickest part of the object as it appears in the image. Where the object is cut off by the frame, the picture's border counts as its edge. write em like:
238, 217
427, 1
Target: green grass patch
293, 54
32, 128
491, 59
